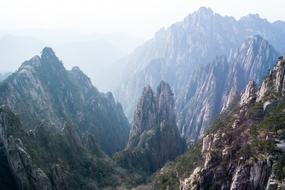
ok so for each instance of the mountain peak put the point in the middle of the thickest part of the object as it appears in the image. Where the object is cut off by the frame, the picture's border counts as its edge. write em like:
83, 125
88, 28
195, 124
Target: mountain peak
205, 11
47, 52
254, 18
163, 86
147, 91
50, 60
256, 38
154, 133
256, 43
81, 78
145, 114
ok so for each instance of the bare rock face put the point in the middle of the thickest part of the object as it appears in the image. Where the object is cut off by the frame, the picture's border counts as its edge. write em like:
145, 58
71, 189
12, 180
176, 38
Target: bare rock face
249, 95
154, 137
274, 83
190, 183
221, 172
209, 91
207, 141
252, 176
57, 178
165, 102
145, 115
230, 99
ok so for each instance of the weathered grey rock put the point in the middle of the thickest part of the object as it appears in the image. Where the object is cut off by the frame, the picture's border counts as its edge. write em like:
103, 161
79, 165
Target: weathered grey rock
230, 99
210, 91
249, 95
154, 137
207, 141
40, 180
145, 116
191, 182
274, 83
57, 179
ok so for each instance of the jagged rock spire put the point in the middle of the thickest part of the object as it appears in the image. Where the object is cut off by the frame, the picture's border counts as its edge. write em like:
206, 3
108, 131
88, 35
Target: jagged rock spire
154, 135
249, 95
145, 116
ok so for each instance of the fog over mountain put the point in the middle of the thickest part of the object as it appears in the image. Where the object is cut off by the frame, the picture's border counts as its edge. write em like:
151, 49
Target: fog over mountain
95, 53
178, 52
199, 106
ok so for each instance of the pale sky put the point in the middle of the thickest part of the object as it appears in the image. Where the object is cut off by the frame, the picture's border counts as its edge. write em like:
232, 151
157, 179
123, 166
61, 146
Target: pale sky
137, 17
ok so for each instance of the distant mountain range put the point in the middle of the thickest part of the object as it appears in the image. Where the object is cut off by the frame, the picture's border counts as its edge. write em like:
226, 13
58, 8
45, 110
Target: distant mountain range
215, 121
182, 51
215, 86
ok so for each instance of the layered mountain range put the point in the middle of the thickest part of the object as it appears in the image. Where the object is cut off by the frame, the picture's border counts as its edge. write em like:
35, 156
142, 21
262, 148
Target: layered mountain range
243, 150
178, 53
217, 89
57, 131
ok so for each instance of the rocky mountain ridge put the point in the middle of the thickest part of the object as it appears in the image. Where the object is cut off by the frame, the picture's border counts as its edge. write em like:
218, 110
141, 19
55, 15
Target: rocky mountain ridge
214, 87
42, 91
174, 53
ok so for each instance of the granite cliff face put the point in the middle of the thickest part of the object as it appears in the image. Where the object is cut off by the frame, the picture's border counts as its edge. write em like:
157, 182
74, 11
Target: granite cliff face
243, 150
42, 91
154, 138
216, 86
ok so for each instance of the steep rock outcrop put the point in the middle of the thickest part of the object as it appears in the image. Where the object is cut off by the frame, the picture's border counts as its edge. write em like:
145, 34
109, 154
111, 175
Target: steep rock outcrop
274, 84
57, 178
249, 95
145, 116
154, 137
